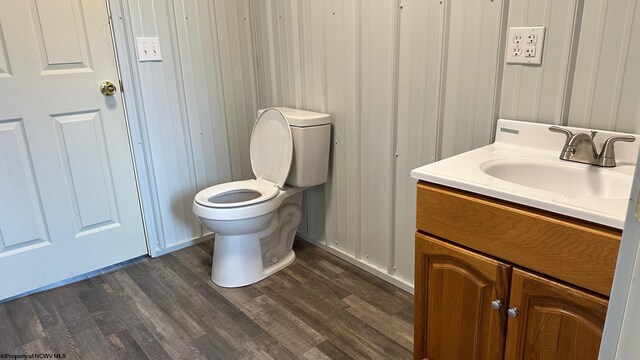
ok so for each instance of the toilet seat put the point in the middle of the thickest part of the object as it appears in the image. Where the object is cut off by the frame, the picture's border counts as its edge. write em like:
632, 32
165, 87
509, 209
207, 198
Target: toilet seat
271, 153
223, 195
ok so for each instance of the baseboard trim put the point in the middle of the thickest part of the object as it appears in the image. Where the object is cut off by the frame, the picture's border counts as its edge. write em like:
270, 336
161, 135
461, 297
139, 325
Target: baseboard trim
182, 245
370, 268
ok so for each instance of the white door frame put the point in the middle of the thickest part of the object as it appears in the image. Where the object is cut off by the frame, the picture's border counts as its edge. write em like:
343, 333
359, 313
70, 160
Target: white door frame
128, 121
121, 28
622, 324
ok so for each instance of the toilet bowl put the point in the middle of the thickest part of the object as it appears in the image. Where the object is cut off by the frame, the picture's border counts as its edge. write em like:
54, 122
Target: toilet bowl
255, 221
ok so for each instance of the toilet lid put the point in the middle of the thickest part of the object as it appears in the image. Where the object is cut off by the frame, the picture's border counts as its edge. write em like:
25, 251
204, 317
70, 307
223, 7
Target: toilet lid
271, 147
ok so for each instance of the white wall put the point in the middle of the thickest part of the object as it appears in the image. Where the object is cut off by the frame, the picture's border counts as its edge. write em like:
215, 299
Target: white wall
408, 82
606, 88
190, 114
590, 71
403, 93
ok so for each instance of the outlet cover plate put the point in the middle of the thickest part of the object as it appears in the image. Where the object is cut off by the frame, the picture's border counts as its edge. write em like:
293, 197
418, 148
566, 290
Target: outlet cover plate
148, 49
524, 45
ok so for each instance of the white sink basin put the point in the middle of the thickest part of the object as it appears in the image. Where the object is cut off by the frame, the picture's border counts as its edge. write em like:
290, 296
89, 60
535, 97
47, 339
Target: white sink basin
564, 178
522, 166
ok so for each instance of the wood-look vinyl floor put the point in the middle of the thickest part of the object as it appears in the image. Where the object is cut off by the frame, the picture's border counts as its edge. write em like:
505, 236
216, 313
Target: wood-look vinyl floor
320, 307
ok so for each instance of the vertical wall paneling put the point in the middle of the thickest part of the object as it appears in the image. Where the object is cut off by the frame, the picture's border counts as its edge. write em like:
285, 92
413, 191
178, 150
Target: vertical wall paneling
539, 92
277, 54
448, 80
340, 59
376, 93
311, 52
380, 68
186, 106
317, 45
589, 72
191, 113
314, 68
471, 72
234, 49
607, 72
168, 122
147, 184
417, 117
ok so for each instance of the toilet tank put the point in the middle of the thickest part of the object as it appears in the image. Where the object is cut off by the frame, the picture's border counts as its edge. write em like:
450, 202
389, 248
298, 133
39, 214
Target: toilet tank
311, 133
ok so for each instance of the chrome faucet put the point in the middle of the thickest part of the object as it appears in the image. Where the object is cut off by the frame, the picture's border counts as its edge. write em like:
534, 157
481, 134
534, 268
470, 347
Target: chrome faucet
581, 148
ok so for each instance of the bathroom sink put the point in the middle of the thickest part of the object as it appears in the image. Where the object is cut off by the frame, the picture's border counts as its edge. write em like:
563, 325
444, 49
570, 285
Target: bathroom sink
570, 180
522, 166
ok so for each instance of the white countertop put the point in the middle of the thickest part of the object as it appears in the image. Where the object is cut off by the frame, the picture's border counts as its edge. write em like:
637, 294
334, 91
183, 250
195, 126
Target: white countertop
522, 141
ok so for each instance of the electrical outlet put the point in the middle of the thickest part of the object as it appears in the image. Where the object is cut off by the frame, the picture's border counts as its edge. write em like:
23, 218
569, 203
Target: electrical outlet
516, 51
530, 52
148, 49
528, 46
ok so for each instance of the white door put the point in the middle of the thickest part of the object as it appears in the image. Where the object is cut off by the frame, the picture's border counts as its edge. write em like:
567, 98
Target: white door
68, 198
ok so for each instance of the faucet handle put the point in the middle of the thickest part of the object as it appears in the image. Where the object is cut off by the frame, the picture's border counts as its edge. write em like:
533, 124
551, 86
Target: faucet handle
558, 129
607, 154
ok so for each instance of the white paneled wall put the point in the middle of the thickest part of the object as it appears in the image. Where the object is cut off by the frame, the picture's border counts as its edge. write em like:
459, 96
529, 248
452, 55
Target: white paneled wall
377, 64
191, 114
382, 69
334, 56
606, 94
540, 93
410, 82
471, 72
590, 72
418, 114
448, 80
407, 83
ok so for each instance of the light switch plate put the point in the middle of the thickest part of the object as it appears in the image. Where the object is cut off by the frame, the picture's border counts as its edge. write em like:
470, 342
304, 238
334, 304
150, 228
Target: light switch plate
148, 49
524, 45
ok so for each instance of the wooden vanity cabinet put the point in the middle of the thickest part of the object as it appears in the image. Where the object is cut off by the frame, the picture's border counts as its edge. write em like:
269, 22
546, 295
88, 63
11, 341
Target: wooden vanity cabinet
458, 282
453, 293
554, 321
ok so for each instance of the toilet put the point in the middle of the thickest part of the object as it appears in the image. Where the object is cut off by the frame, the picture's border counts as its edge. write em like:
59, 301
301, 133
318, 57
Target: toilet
255, 221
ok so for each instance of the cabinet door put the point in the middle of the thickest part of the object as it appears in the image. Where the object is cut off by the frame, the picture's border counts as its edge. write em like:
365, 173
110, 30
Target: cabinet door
554, 321
454, 289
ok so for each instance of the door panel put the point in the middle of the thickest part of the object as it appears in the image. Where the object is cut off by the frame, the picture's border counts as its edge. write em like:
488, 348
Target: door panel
61, 34
554, 321
454, 289
69, 202
22, 217
88, 178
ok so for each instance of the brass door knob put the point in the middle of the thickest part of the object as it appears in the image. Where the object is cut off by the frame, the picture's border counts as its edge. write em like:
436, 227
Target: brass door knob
107, 88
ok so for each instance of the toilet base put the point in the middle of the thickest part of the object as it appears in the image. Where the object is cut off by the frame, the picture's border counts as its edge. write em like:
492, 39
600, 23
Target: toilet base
239, 261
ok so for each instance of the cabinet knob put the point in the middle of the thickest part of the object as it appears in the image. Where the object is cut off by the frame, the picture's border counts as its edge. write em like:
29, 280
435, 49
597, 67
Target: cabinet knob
513, 312
496, 304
